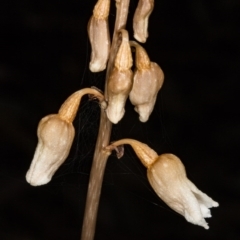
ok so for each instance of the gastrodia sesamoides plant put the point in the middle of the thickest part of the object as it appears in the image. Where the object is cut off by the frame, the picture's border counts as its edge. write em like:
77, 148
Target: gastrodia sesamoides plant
147, 81
167, 176
141, 18
120, 81
98, 32
166, 173
55, 136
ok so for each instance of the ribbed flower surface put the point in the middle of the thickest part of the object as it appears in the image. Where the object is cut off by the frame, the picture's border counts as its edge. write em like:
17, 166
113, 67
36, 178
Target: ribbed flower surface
168, 178
55, 137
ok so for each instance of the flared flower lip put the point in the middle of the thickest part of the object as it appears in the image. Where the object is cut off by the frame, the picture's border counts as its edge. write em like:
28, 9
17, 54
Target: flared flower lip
168, 178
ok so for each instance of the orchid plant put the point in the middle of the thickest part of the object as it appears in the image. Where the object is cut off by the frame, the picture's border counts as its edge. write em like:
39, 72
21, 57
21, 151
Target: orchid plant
166, 173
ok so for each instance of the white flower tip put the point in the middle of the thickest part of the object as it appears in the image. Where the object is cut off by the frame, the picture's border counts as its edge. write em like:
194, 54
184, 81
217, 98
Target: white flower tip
205, 226
37, 181
144, 111
97, 66
143, 119
115, 114
196, 219
205, 211
140, 37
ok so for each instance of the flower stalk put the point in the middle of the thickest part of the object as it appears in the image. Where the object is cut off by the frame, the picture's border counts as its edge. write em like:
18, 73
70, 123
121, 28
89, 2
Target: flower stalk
105, 127
166, 173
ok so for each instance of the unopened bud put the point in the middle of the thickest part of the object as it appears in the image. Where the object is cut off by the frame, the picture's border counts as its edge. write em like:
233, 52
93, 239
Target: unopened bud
120, 81
98, 31
140, 19
147, 81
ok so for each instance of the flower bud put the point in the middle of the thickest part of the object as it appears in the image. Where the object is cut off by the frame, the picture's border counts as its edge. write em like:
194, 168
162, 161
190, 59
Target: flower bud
98, 32
147, 81
120, 81
168, 178
55, 136
140, 19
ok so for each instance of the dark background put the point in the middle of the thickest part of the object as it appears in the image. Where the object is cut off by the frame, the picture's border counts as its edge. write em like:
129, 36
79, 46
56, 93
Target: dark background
44, 58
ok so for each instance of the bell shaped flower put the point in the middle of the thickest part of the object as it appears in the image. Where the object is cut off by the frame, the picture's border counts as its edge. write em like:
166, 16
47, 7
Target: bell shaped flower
168, 178
55, 136
98, 32
147, 81
120, 81
140, 19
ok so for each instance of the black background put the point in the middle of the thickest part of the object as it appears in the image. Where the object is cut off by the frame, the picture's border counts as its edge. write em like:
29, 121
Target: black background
44, 58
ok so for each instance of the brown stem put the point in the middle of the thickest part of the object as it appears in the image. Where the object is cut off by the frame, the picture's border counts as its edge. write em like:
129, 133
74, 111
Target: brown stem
69, 108
100, 156
121, 20
145, 154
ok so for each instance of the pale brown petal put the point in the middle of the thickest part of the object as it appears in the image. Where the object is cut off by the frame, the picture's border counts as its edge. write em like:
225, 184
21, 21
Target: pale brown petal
168, 178
147, 81
98, 32
140, 19
120, 81
55, 137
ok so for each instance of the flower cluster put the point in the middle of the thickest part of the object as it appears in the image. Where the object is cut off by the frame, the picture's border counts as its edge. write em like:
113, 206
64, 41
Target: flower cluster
141, 86
166, 173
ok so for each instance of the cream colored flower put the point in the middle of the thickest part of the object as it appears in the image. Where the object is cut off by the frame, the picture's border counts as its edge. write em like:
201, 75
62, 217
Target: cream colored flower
120, 81
147, 81
55, 136
98, 32
140, 19
168, 178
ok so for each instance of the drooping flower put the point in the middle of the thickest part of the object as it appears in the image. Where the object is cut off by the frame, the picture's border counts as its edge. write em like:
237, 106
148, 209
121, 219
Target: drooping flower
120, 81
55, 136
98, 32
140, 19
168, 178
147, 81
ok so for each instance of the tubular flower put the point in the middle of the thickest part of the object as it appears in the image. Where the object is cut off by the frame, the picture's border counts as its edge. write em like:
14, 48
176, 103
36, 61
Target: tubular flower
147, 81
120, 81
98, 32
140, 19
168, 178
55, 136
